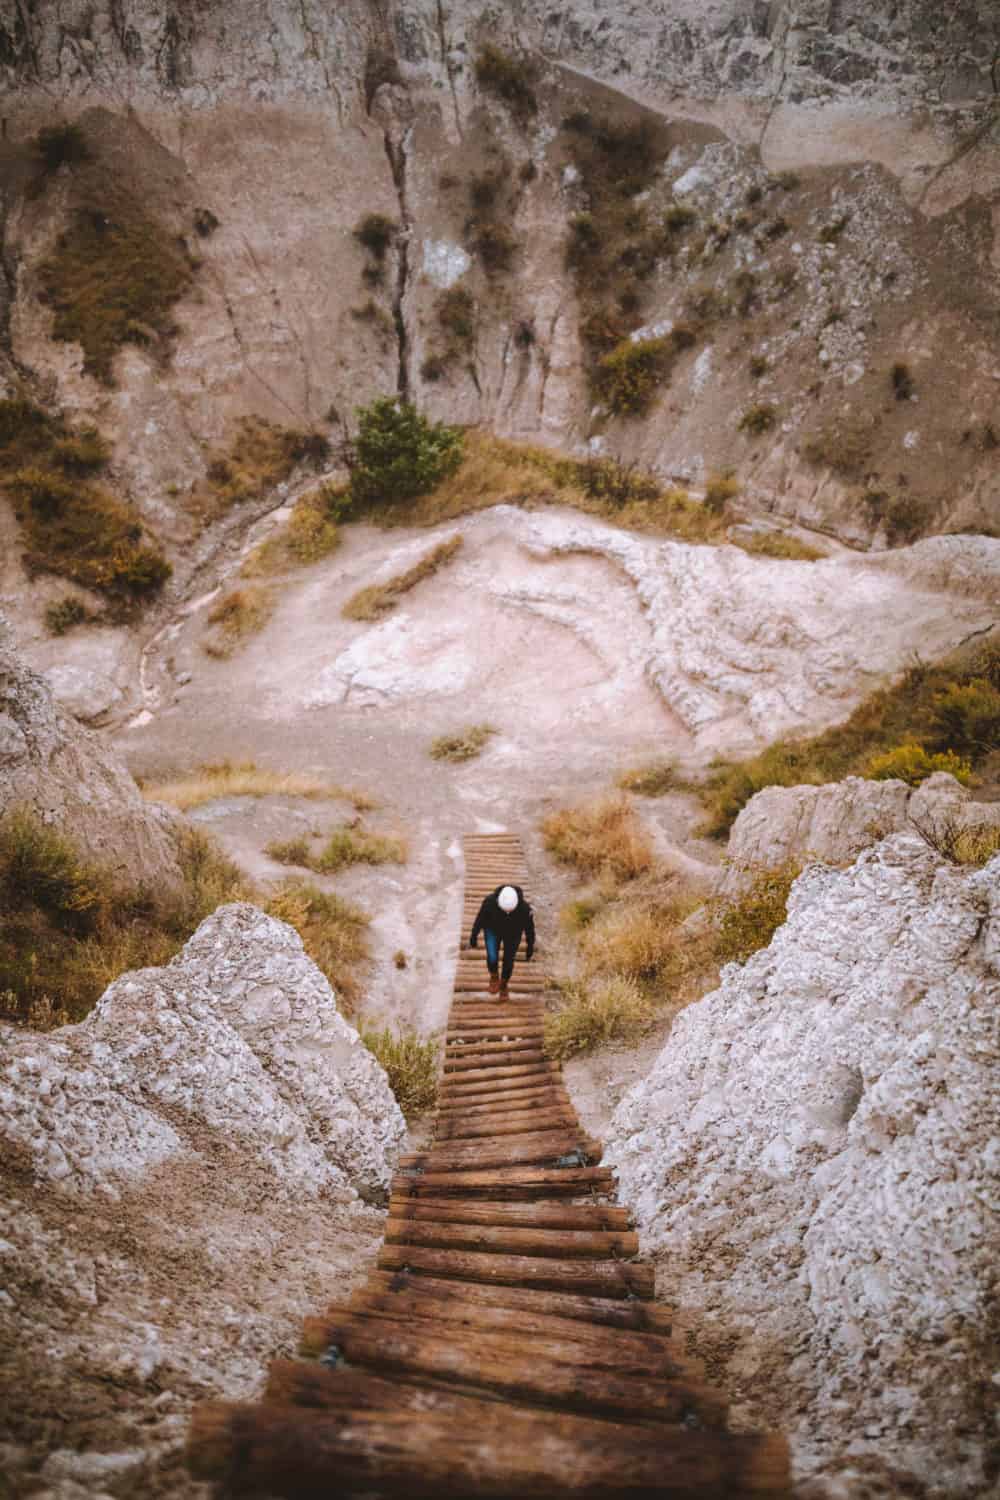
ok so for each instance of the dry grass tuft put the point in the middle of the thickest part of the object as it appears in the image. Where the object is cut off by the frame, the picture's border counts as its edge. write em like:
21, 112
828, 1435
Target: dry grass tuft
464, 744
777, 544
411, 1065
236, 616
349, 845
260, 457
114, 278
226, 778
310, 534
599, 838
654, 779
748, 922
379, 598
616, 1010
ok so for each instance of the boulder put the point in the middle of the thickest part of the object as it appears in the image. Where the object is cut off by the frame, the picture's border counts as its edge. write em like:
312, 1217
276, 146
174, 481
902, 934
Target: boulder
86, 694
813, 1165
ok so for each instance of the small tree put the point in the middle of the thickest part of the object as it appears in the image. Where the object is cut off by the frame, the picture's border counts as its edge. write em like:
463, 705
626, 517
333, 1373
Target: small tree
398, 454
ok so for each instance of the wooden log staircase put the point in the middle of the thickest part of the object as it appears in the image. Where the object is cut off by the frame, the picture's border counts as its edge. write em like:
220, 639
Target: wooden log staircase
507, 1345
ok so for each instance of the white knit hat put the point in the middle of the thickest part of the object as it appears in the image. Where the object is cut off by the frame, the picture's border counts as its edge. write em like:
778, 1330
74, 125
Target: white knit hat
507, 899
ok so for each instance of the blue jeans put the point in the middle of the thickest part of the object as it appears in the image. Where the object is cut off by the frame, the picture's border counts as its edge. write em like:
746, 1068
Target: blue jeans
493, 954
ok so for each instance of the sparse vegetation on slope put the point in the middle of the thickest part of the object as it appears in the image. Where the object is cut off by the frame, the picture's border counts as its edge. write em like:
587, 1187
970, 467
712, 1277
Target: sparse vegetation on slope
379, 598
653, 779
261, 456
614, 1011
777, 544
311, 533
71, 525
69, 929
463, 744
236, 616
114, 278
510, 78
351, 844
411, 1065
334, 933
951, 706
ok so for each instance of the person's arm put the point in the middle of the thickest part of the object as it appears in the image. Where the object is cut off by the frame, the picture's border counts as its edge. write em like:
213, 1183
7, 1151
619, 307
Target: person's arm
478, 924
529, 932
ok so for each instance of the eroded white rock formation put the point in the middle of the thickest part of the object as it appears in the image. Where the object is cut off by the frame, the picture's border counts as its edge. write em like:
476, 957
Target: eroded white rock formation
239, 1036
835, 822
813, 1161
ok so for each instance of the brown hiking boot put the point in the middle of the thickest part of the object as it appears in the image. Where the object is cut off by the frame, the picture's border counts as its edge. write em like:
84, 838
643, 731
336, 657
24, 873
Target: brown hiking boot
494, 984
504, 993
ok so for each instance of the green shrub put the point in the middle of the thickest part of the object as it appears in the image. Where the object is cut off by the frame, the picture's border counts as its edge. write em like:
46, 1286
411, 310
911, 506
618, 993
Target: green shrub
616, 1010
42, 868
464, 744
510, 78
63, 614
749, 922
399, 454
411, 1066
114, 278
965, 717
628, 378
911, 763
759, 418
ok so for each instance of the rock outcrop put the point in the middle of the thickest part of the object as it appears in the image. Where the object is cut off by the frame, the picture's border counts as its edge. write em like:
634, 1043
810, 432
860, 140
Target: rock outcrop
812, 1161
183, 1176
68, 777
835, 822
238, 1036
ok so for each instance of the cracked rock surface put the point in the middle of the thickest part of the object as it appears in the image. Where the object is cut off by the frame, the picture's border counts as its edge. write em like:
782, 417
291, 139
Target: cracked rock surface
812, 1162
185, 1175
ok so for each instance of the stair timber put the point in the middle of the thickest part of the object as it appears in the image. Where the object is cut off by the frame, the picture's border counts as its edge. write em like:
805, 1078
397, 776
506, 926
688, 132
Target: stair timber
506, 1345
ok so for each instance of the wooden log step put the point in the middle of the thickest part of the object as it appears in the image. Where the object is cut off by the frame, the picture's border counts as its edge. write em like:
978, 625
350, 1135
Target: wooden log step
506, 1184
471, 986
539, 1215
493, 1098
508, 1366
499, 1026
487, 1449
477, 1107
633, 1352
461, 1048
497, 1076
469, 1067
594, 1278
506, 1125
607, 1312
544, 1146
518, 1113
503, 1239
454, 1095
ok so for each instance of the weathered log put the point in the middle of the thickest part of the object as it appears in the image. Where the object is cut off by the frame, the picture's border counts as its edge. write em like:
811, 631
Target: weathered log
607, 1312
592, 1278
533, 1077
521, 1122
499, 1057
505, 1239
478, 1107
545, 1146
461, 1048
540, 1215
538, 1372
505, 1183
648, 1354
526, 1070
302, 1454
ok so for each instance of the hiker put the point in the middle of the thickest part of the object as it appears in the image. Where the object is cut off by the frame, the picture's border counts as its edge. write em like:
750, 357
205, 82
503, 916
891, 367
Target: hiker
503, 917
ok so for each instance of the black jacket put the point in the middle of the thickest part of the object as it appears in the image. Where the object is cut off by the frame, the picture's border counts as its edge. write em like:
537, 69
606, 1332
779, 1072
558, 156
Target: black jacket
508, 926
